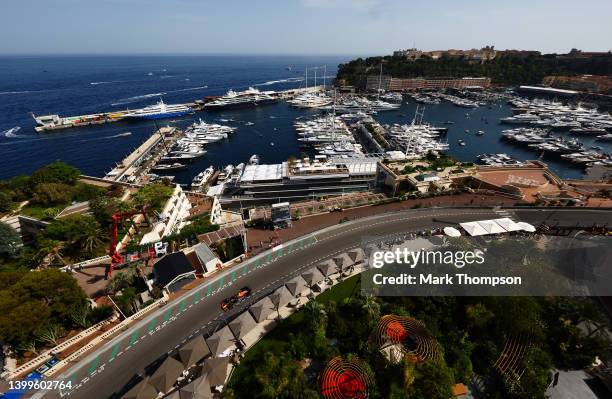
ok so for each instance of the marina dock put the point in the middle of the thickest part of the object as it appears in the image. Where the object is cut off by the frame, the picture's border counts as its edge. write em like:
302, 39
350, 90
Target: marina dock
48, 123
140, 161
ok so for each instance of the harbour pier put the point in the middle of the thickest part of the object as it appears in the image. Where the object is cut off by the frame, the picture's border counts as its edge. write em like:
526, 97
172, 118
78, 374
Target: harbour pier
49, 123
140, 161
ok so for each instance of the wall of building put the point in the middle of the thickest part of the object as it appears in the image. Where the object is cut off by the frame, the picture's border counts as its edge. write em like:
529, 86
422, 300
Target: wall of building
397, 84
589, 83
174, 215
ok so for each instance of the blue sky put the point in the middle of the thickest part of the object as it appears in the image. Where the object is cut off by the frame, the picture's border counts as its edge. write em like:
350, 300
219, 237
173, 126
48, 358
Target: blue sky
299, 26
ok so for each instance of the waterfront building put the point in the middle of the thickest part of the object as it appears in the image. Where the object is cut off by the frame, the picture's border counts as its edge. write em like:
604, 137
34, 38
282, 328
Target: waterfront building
486, 53
401, 84
172, 218
588, 83
401, 176
302, 179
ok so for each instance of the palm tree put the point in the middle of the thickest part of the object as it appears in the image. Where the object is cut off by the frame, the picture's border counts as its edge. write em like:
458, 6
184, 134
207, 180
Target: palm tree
315, 313
91, 241
50, 251
372, 308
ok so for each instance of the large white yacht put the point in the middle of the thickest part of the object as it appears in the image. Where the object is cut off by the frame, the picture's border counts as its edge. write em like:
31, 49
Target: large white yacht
160, 110
242, 99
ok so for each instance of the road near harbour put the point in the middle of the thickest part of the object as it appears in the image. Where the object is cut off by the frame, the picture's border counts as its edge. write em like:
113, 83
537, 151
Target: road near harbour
106, 370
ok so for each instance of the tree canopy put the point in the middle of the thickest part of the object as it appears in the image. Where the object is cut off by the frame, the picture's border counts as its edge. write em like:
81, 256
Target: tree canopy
153, 196
32, 301
56, 172
505, 70
471, 333
9, 240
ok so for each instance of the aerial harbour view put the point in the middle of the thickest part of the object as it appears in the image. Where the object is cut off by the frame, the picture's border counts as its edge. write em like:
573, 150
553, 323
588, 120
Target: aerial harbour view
347, 209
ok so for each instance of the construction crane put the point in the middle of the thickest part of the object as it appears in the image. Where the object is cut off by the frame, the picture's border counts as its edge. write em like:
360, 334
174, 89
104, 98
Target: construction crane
115, 256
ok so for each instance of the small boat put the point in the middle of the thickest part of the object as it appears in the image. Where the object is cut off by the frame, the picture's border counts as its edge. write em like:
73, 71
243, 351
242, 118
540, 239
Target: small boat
202, 178
11, 132
605, 137
173, 166
254, 160
272, 144
480, 133
467, 130
461, 142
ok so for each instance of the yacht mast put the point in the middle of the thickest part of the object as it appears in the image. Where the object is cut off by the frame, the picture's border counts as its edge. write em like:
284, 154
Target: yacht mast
324, 75
380, 79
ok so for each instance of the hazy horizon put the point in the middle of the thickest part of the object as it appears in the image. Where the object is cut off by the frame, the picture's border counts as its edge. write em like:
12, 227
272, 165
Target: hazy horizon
298, 27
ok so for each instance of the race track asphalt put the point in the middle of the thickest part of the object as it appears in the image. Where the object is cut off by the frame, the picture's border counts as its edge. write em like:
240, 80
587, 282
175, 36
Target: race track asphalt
104, 372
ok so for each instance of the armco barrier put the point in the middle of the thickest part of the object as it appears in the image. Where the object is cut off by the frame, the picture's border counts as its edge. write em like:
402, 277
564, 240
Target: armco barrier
59, 348
107, 335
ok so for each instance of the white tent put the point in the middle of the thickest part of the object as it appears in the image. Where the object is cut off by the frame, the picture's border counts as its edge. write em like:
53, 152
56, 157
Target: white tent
452, 232
491, 227
527, 227
508, 224
473, 228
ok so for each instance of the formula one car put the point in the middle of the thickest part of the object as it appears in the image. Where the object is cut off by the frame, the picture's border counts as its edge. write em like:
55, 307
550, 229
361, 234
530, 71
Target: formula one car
240, 296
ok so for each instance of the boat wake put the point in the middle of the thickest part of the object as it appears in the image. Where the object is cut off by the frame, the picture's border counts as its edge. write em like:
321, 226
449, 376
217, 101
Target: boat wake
189, 89
21, 92
274, 82
120, 135
136, 98
109, 82
10, 133
107, 137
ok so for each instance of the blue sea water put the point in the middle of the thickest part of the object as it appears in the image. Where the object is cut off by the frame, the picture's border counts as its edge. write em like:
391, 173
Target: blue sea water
75, 85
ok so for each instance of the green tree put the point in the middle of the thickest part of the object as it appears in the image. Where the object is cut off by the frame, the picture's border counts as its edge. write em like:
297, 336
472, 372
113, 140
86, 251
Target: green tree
433, 380
51, 194
81, 233
6, 201
90, 242
56, 172
121, 280
9, 240
372, 309
59, 291
21, 319
50, 333
50, 252
537, 376
315, 314
153, 196
103, 208
9, 278
278, 377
